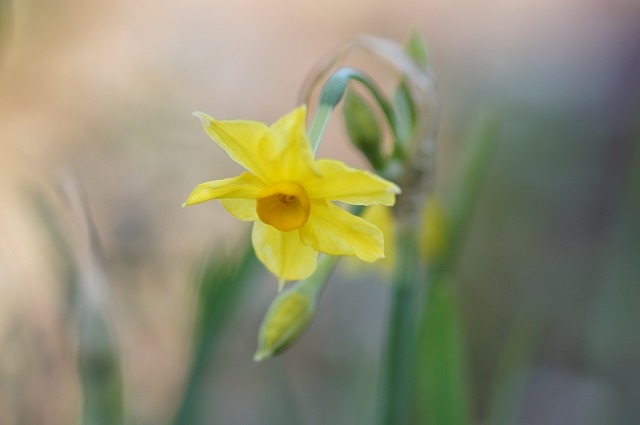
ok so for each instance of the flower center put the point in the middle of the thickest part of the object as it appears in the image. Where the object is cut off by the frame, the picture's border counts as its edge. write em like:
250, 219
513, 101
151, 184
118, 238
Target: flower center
284, 206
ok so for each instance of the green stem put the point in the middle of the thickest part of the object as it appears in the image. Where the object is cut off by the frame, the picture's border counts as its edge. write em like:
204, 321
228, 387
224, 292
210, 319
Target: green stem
319, 125
314, 285
332, 93
396, 381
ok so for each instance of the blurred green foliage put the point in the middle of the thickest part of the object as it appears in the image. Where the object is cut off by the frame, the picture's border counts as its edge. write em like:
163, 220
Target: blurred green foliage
223, 280
87, 298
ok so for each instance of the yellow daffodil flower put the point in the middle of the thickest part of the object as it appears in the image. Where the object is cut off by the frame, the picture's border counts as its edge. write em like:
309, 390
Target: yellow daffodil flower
288, 195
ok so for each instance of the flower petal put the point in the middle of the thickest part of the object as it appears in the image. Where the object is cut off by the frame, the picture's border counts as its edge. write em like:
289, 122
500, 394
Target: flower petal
241, 140
283, 253
287, 145
245, 186
334, 231
342, 183
242, 209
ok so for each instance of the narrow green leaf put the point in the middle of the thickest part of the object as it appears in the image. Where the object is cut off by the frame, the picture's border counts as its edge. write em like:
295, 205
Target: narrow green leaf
468, 186
223, 281
98, 357
442, 393
100, 371
442, 376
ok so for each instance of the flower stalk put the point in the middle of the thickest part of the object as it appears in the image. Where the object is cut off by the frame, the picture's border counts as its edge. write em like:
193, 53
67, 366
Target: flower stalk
411, 164
332, 93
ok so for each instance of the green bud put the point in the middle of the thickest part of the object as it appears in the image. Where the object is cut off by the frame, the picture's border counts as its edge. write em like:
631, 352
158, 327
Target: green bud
363, 128
288, 316
405, 113
417, 50
402, 99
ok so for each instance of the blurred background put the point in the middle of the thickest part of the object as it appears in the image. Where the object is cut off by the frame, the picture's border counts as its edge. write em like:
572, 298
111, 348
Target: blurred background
95, 103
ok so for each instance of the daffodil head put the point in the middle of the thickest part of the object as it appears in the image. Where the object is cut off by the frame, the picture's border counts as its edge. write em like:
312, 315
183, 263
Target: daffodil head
289, 195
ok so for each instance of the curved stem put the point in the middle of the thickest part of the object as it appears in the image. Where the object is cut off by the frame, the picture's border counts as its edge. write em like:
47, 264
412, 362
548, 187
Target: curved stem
319, 125
332, 93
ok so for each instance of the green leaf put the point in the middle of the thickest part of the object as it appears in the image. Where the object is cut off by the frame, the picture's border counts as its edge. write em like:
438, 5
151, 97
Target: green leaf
220, 284
363, 128
442, 394
468, 185
223, 281
100, 371
98, 356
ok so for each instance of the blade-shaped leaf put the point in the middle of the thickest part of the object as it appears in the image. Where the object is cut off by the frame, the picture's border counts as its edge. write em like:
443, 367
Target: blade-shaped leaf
442, 384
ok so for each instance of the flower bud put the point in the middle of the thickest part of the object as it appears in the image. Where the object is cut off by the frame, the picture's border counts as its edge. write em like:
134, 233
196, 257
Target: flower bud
363, 128
288, 316
435, 229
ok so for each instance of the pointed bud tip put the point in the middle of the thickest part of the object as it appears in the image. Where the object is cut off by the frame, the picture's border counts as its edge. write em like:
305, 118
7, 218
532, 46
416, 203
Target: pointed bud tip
262, 355
200, 115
